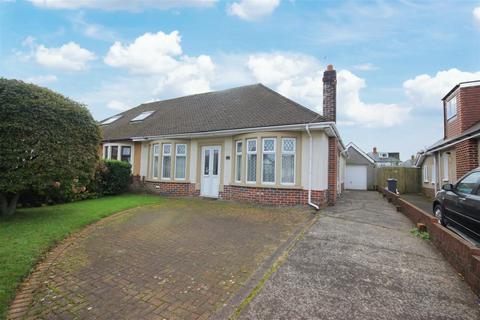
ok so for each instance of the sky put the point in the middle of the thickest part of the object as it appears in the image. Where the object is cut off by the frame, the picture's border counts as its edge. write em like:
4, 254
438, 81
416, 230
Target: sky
395, 60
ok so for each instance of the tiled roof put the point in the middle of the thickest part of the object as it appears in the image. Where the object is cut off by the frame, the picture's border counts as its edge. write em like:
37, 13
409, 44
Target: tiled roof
243, 107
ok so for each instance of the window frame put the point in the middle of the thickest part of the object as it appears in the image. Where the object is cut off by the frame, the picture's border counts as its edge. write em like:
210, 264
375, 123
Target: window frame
434, 173
256, 161
238, 164
180, 155
142, 116
274, 152
164, 155
449, 108
294, 153
130, 154
425, 174
446, 166
153, 160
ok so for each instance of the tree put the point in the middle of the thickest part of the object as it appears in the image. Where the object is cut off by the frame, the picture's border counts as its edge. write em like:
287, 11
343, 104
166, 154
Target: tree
46, 140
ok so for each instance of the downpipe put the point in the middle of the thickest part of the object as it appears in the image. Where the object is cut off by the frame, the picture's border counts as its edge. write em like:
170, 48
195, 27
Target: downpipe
310, 159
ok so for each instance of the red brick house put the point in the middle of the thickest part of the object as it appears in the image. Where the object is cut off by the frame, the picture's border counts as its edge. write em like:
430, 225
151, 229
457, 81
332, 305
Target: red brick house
458, 151
247, 143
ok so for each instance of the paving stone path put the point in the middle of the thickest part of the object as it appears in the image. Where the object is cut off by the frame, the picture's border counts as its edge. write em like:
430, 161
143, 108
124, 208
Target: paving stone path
182, 259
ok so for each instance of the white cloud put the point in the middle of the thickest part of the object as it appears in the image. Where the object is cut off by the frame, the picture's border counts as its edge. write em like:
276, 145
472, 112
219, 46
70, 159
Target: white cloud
117, 105
130, 5
366, 66
42, 79
148, 54
160, 55
476, 15
69, 56
366, 114
426, 91
92, 30
252, 9
299, 77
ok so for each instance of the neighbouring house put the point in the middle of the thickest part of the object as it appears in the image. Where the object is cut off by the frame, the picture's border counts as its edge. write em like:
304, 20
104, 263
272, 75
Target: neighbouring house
360, 169
458, 151
385, 159
410, 163
247, 143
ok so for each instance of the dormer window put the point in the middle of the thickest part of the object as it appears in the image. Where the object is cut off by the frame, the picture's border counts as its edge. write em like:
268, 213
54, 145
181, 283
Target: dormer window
110, 120
142, 116
452, 108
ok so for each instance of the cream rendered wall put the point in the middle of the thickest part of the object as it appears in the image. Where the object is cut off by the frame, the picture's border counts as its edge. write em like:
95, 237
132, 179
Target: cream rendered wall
193, 160
319, 163
227, 154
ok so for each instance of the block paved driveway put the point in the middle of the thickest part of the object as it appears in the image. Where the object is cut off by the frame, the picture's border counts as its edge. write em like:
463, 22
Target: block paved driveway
359, 261
181, 259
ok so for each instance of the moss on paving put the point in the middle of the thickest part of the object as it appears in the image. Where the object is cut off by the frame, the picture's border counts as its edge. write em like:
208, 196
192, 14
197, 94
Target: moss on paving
26, 236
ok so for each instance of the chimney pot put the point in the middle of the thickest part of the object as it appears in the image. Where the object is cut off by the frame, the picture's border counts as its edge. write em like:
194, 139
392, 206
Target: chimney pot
330, 67
374, 150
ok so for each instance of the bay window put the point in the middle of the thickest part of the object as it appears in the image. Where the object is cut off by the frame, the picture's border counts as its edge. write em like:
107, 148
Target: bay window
252, 161
166, 161
288, 160
268, 160
126, 153
114, 152
238, 161
155, 160
180, 161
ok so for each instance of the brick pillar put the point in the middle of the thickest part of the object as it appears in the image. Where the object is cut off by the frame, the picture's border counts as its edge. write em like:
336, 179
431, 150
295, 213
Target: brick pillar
330, 94
467, 156
332, 171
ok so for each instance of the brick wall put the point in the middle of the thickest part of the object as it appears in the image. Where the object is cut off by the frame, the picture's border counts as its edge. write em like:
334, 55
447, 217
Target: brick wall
463, 256
275, 196
428, 192
466, 156
332, 170
180, 189
468, 111
470, 106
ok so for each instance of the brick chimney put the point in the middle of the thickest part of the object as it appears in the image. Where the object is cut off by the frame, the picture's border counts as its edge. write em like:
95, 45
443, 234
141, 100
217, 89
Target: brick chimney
330, 94
374, 150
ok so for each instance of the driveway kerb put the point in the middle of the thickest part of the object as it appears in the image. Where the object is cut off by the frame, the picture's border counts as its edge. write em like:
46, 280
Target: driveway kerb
232, 306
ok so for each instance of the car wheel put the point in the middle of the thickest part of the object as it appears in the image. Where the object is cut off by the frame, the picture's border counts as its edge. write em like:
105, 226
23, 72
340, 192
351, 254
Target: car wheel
439, 215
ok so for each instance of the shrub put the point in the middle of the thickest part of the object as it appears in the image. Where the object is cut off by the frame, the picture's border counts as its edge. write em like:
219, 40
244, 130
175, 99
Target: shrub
111, 177
47, 142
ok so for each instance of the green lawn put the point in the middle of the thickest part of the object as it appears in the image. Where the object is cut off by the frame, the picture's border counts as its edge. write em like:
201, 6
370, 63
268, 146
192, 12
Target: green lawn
31, 232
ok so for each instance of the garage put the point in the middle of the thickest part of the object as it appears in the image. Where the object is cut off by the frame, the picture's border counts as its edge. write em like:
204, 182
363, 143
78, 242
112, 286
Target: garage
356, 177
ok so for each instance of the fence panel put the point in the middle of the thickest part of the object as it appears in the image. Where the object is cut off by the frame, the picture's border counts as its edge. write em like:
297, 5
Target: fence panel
408, 179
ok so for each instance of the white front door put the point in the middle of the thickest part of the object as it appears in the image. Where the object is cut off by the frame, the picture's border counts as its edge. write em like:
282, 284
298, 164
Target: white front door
356, 177
210, 171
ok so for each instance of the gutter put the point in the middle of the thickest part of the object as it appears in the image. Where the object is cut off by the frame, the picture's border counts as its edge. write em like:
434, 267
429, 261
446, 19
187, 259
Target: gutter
310, 159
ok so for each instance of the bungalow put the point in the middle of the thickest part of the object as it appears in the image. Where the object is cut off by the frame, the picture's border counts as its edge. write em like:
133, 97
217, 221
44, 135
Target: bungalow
247, 143
458, 152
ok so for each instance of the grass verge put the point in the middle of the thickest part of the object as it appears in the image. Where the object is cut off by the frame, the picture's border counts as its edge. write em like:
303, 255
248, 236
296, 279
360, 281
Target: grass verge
26, 236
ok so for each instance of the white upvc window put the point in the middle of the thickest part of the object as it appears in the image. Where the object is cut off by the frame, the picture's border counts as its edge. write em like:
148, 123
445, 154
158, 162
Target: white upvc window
268, 160
425, 173
452, 108
288, 160
166, 161
180, 161
445, 167
238, 161
434, 173
105, 152
155, 160
251, 161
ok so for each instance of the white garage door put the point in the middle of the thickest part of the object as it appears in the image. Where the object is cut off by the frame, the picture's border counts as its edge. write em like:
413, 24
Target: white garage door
356, 177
